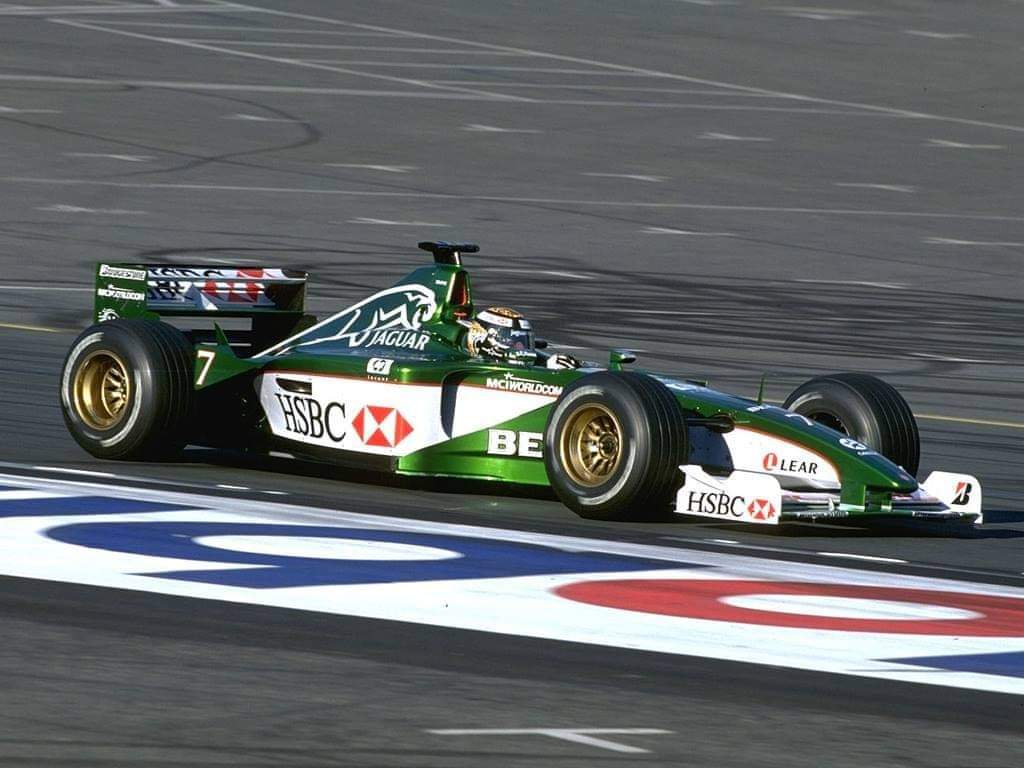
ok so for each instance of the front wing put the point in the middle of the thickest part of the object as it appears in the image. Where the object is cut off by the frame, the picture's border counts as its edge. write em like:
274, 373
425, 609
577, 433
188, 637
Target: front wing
754, 497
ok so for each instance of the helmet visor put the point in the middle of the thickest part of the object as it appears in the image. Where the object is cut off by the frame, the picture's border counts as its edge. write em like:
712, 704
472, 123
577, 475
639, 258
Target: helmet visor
516, 339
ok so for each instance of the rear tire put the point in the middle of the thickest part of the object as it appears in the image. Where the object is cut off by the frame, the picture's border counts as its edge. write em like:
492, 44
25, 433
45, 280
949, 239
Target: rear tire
865, 408
613, 446
126, 390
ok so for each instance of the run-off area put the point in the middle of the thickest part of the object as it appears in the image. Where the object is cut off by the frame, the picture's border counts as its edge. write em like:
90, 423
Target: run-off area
630, 596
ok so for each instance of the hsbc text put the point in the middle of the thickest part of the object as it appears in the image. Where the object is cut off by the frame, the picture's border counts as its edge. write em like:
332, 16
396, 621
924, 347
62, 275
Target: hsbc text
306, 416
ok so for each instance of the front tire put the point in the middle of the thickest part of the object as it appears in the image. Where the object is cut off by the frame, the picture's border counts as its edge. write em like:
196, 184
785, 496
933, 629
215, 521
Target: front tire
613, 446
126, 390
865, 408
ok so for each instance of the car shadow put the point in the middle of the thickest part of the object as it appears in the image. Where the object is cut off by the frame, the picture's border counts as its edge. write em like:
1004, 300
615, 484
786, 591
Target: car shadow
338, 473
838, 529
903, 528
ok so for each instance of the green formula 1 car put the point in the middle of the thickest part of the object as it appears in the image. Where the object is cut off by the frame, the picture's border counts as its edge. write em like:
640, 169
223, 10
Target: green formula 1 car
390, 384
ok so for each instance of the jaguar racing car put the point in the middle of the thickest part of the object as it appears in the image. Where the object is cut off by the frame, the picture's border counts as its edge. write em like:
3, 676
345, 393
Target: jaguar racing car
388, 384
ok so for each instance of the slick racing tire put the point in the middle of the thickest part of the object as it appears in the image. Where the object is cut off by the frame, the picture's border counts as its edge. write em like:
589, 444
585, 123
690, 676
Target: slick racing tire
865, 408
613, 445
126, 390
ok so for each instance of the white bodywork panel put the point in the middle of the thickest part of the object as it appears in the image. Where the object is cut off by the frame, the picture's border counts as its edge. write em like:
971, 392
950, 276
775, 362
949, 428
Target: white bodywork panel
959, 492
385, 418
751, 450
748, 497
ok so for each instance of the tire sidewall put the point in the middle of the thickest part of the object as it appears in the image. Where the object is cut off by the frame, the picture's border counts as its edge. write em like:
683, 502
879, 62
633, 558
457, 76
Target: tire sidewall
144, 398
635, 441
843, 403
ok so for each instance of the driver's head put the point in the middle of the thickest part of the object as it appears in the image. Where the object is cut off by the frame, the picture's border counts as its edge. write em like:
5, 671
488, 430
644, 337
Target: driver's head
508, 327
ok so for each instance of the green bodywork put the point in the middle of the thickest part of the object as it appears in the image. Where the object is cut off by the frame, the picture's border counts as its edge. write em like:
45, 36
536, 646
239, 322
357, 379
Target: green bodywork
433, 355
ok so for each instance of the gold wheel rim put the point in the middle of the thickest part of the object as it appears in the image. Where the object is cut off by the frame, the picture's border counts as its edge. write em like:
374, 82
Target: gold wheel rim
102, 390
591, 445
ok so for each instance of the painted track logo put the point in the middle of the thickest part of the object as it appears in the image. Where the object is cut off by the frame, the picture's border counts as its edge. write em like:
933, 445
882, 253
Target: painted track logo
887, 626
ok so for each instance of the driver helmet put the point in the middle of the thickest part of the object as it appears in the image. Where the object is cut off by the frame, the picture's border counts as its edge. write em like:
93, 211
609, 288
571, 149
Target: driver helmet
507, 327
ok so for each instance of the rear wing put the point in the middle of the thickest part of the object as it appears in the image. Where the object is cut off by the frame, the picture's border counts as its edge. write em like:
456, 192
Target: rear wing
274, 299
127, 290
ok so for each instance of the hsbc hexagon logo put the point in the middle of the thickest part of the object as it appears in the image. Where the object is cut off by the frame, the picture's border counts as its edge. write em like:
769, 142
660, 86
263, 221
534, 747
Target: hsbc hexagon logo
380, 426
761, 509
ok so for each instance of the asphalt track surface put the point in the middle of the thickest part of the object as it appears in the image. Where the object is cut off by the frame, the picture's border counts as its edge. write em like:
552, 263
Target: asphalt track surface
733, 188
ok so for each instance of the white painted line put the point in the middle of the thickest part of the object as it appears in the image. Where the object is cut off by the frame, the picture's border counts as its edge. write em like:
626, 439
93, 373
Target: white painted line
630, 176
817, 14
192, 487
970, 216
280, 455
123, 8
724, 541
260, 118
709, 108
953, 241
603, 87
70, 471
905, 188
381, 168
9, 287
390, 223
570, 275
22, 327
27, 495
715, 136
241, 87
964, 420
707, 3
19, 111
869, 558
227, 487
639, 71
478, 127
960, 145
61, 208
686, 312
125, 158
219, 260
692, 232
275, 493
528, 271
952, 359
336, 47
307, 64
587, 736
251, 28
937, 35
65, 10
865, 283
473, 67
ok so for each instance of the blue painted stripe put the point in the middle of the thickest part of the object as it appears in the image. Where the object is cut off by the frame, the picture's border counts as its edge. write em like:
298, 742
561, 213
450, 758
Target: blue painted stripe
1010, 664
82, 505
471, 558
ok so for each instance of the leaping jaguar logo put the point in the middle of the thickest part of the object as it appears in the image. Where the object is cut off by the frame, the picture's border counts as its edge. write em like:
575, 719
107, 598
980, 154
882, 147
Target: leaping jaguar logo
404, 307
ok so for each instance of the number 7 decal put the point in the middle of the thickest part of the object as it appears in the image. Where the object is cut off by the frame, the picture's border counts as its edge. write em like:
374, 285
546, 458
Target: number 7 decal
207, 356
